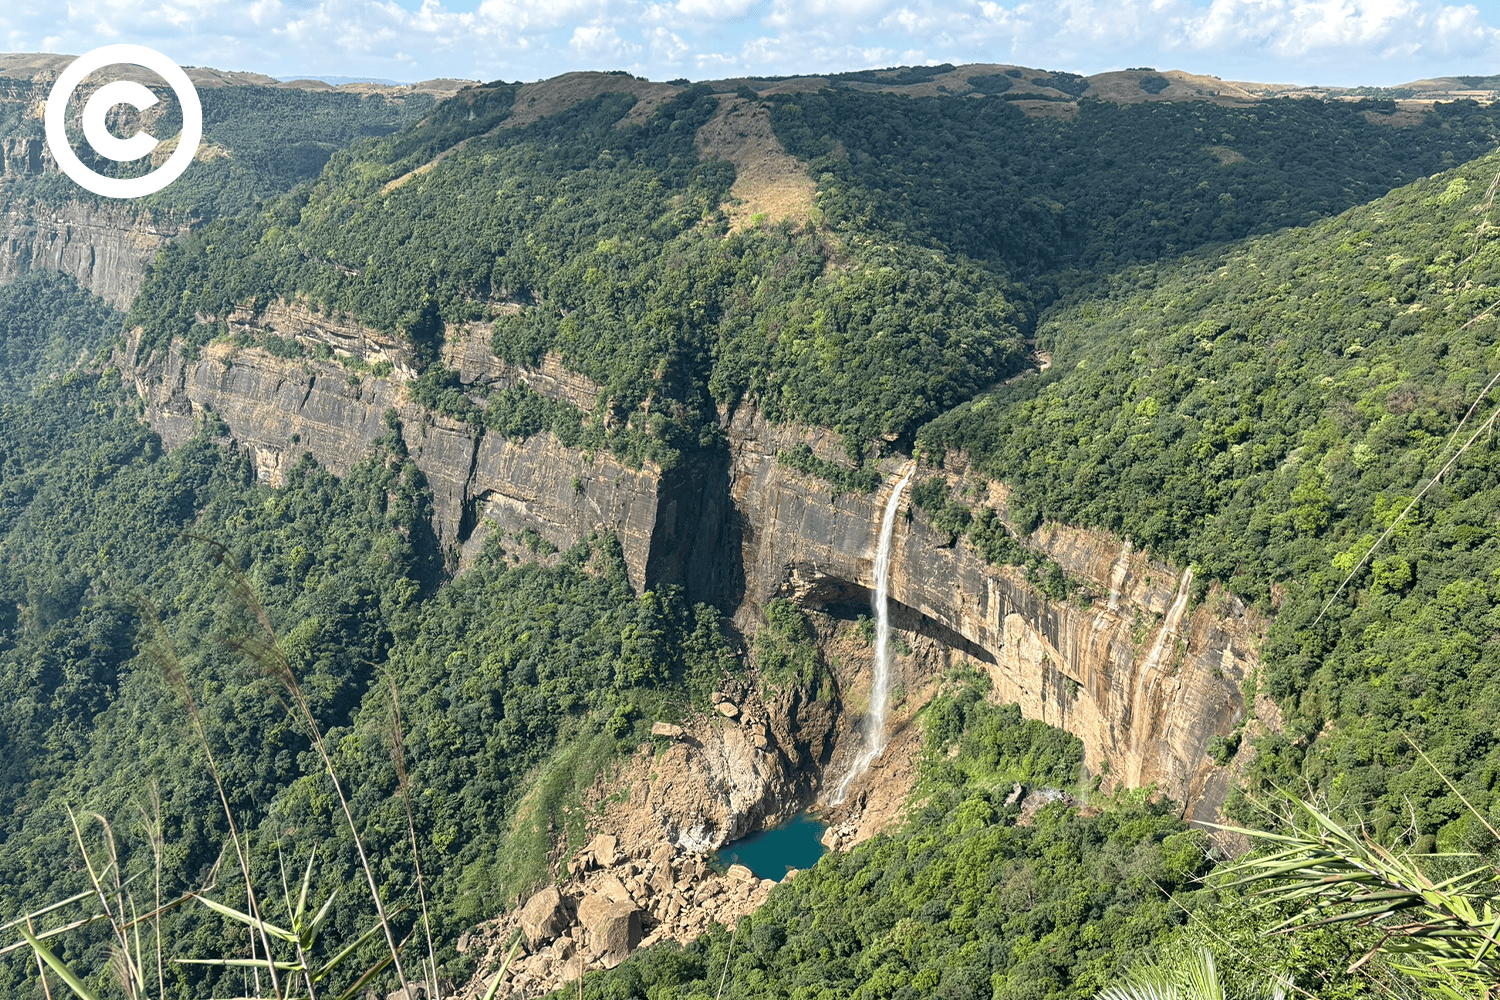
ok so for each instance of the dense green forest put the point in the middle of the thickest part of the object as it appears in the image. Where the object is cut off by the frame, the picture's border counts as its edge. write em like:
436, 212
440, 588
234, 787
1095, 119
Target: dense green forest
897, 306
264, 141
610, 240
1265, 414
512, 678
1261, 407
46, 327
1114, 184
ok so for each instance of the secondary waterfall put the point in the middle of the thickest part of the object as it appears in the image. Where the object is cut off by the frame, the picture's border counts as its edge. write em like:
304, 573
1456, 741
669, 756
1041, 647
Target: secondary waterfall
879, 687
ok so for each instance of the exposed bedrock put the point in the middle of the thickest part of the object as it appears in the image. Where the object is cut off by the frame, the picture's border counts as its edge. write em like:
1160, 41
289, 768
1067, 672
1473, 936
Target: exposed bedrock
1143, 676
106, 247
278, 409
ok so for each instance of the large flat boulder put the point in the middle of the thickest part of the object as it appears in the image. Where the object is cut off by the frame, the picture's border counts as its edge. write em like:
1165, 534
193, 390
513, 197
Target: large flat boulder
544, 917
611, 930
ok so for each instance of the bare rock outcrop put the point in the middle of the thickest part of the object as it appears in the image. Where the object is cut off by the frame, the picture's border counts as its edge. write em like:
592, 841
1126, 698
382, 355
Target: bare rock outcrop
278, 409
543, 917
1143, 676
664, 895
612, 928
1141, 673
726, 777
107, 247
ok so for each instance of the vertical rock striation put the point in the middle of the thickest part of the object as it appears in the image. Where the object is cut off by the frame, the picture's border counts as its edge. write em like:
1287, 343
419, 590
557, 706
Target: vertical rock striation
106, 247
279, 409
1145, 681
1143, 677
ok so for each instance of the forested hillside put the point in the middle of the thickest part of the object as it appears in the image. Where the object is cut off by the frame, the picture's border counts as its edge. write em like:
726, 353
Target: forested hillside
260, 141
511, 678
1114, 183
899, 305
1265, 414
1241, 381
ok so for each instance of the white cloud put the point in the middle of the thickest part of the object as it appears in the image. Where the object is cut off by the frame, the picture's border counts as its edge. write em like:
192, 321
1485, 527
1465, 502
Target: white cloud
1338, 41
717, 10
667, 47
595, 41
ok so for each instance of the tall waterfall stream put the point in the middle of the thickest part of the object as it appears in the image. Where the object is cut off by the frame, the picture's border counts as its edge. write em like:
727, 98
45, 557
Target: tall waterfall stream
879, 688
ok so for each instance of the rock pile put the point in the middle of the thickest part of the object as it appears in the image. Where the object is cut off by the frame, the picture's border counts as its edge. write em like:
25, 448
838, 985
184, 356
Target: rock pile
611, 905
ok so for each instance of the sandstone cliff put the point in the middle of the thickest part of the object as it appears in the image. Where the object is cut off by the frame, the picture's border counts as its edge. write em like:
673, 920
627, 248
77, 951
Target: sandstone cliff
106, 246
278, 409
1143, 679
1141, 676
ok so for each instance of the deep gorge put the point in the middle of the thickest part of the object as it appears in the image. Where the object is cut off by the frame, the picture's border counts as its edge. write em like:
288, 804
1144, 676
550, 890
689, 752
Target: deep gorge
741, 529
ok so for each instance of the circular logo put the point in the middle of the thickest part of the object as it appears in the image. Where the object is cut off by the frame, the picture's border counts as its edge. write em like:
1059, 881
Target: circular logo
99, 137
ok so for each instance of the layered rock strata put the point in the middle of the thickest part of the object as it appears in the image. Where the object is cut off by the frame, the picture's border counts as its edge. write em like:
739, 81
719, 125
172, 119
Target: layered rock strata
1141, 674
278, 409
106, 247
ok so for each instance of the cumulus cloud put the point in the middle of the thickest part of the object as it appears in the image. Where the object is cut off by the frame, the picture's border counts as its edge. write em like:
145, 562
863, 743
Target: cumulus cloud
1337, 41
601, 43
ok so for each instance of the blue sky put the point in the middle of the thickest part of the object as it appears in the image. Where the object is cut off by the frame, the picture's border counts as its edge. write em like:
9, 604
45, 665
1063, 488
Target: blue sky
1345, 42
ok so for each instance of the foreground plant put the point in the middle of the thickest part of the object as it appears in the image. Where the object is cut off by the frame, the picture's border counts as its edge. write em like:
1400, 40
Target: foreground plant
283, 962
1196, 977
1443, 932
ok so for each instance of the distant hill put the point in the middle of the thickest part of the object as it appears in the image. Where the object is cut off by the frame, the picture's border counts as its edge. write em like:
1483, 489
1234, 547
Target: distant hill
337, 80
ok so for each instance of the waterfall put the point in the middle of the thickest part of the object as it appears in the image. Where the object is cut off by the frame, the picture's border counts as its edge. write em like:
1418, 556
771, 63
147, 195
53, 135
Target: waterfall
879, 687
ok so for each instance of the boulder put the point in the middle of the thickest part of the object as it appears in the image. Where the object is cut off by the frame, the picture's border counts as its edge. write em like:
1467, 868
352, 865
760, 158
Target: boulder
612, 889
611, 929
663, 854
728, 709
605, 849
543, 917
666, 729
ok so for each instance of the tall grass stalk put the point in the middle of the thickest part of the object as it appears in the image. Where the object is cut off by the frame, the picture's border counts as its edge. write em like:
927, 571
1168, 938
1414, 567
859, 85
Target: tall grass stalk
398, 757
264, 650
109, 890
160, 648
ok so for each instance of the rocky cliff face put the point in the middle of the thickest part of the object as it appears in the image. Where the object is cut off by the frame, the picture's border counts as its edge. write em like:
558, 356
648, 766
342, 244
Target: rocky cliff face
106, 246
278, 409
1143, 677
751, 762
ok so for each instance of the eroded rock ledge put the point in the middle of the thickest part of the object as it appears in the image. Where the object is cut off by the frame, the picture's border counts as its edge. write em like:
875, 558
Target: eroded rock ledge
1142, 675
105, 247
277, 409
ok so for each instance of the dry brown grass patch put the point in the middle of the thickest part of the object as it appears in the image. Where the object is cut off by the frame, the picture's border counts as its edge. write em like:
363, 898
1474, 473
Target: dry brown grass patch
1407, 115
768, 181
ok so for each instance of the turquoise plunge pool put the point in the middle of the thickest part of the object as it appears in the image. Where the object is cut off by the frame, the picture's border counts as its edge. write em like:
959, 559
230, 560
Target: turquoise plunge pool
769, 853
